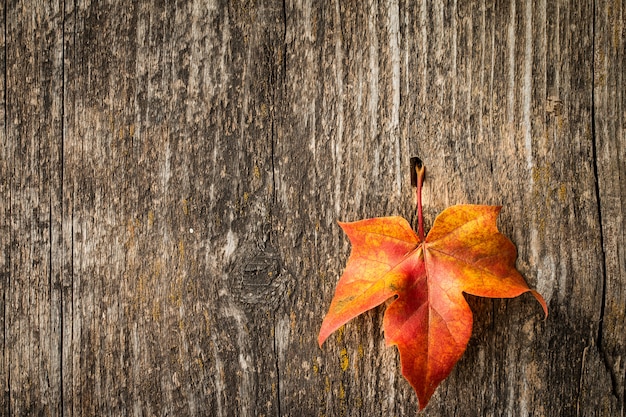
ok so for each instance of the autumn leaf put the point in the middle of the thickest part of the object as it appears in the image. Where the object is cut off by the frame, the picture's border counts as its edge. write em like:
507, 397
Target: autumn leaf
430, 321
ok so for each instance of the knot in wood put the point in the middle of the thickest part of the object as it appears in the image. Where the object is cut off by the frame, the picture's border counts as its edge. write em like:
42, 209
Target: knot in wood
260, 279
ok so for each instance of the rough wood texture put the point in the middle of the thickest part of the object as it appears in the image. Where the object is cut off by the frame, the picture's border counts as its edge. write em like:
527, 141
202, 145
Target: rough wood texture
172, 174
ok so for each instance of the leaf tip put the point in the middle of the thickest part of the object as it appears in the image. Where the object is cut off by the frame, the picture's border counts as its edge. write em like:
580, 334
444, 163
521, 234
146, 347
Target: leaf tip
496, 209
320, 341
323, 334
541, 301
423, 399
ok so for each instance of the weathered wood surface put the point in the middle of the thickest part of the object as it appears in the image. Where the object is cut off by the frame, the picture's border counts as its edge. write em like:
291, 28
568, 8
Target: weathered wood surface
172, 174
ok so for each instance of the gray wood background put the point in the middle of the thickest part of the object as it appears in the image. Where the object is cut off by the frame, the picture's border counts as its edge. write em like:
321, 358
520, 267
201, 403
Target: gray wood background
172, 172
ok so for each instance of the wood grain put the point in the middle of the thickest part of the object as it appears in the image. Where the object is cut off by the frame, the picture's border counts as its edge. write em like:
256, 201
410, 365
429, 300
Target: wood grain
172, 174
32, 157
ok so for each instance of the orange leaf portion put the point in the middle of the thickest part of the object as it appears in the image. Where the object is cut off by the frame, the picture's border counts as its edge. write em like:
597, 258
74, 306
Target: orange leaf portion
429, 321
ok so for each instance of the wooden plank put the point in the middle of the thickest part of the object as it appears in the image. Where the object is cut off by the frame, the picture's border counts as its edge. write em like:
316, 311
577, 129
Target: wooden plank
64, 236
170, 141
610, 153
33, 105
500, 110
5, 221
340, 156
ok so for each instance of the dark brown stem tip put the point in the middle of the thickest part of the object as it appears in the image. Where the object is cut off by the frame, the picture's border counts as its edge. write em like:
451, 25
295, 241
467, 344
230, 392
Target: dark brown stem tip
416, 167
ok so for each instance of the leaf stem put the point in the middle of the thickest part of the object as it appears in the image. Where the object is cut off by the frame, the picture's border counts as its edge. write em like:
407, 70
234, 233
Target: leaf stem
417, 179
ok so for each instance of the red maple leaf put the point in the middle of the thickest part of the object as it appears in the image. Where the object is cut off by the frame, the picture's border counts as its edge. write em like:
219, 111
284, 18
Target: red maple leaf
430, 320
